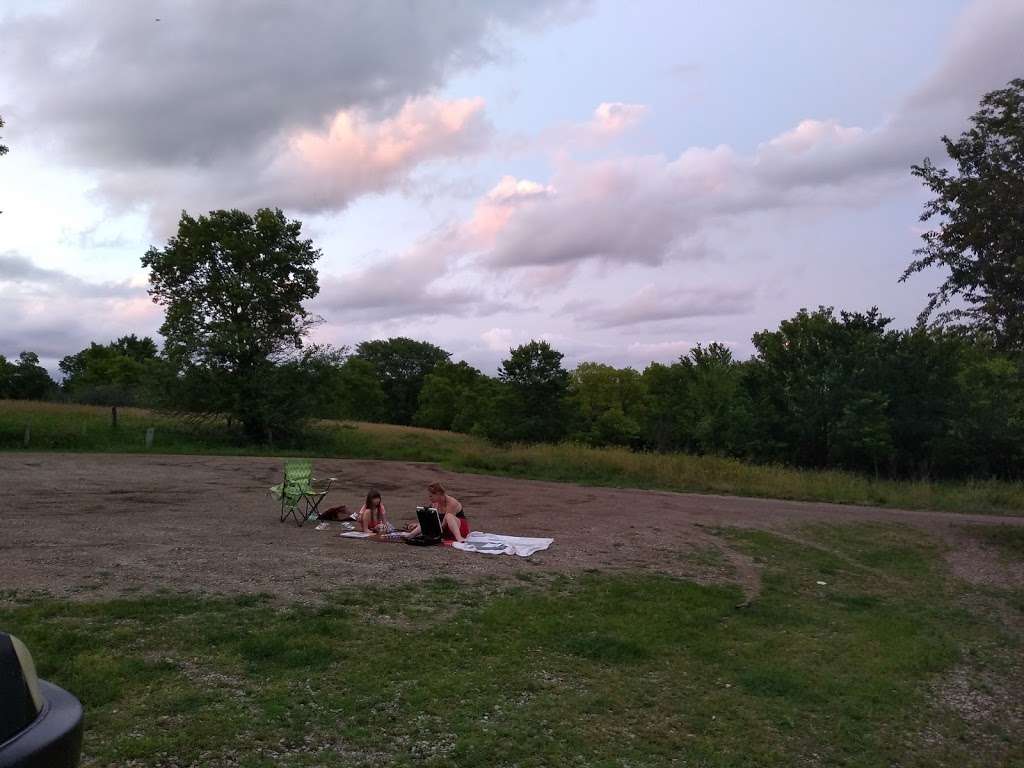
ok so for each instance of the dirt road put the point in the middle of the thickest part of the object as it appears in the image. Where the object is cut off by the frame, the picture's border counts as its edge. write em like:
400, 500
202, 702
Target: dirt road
96, 525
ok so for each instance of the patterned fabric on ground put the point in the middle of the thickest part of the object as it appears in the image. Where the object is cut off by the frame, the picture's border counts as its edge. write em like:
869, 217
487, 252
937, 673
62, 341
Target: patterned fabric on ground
496, 544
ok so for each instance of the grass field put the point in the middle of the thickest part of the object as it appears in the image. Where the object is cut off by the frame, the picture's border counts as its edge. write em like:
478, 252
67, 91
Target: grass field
596, 669
83, 428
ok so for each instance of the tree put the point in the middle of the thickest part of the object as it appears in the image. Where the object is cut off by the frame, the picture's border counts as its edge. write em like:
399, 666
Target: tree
717, 411
607, 402
233, 285
806, 373
448, 397
980, 237
26, 379
531, 405
3, 149
111, 374
360, 395
402, 365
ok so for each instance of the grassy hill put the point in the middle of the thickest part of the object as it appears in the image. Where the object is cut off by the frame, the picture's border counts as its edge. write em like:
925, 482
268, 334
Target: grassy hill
58, 427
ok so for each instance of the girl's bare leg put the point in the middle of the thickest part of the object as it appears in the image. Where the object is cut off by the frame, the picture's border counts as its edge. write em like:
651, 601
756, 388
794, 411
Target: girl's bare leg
453, 525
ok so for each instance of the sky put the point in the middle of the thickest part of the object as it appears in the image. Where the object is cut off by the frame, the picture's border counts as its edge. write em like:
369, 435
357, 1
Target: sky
624, 180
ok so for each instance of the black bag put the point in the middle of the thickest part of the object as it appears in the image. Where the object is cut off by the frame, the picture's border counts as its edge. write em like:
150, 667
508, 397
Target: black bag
430, 528
334, 513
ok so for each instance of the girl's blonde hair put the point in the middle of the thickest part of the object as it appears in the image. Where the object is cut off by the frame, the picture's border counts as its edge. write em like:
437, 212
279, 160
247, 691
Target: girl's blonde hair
436, 489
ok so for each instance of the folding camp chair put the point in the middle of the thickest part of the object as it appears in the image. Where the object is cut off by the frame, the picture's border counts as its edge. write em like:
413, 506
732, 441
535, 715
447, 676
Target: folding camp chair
299, 497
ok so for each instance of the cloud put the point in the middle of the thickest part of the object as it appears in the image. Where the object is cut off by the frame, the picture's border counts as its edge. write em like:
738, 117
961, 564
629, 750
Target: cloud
656, 304
426, 280
510, 191
325, 170
312, 170
634, 209
21, 276
609, 121
212, 79
218, 105
498, 339
53, 313
652, 209
658, 350
615, 118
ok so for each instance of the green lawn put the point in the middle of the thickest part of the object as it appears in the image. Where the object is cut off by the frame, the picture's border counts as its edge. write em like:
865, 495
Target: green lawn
54, 427
597, 669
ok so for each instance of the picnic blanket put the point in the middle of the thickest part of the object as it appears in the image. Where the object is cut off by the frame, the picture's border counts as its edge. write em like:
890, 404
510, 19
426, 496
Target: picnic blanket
496, 544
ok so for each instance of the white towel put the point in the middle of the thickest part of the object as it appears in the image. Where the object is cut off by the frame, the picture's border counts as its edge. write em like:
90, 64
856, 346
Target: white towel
496, 544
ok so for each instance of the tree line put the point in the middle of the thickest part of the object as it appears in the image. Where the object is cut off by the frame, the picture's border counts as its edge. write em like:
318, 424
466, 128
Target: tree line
944, 399
823, 390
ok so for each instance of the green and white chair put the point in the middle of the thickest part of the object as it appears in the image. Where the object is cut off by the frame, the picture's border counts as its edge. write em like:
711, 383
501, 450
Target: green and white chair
300, 497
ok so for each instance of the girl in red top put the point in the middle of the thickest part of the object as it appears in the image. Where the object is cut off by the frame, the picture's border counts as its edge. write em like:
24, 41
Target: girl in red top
373, 518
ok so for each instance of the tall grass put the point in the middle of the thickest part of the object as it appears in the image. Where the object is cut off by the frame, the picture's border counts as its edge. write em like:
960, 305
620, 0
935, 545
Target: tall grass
88, 428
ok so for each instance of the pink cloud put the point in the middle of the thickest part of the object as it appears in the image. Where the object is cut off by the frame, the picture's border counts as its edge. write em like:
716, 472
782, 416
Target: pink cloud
614, 118
312, 170
356, 156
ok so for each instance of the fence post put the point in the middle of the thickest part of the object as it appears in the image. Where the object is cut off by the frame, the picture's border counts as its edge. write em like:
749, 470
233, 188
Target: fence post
149, 437
113, 416
28, 434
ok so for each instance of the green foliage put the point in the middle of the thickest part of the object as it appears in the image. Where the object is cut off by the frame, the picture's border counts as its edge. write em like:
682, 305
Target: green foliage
806, 376
980, 237
359, 392
608, 404
452, 397
532, 403
233, 286
123, 372
847, 392
402, 366
25, 379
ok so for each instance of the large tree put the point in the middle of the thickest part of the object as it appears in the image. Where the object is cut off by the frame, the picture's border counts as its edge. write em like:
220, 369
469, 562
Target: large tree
233, 285
980, 210
402, 365
111, 374
532, 405
450, 397
26, 379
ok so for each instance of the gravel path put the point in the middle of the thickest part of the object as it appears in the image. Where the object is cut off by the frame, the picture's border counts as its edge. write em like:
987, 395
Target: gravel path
88, 526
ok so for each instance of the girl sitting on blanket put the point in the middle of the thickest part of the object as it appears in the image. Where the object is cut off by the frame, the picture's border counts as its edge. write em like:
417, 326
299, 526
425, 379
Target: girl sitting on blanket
373, 518
454, 525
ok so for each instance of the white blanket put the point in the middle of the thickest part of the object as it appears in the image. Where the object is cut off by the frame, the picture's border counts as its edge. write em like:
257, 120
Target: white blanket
495, 544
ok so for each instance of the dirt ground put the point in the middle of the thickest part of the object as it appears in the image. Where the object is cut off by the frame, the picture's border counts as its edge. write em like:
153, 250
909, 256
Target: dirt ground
89, 526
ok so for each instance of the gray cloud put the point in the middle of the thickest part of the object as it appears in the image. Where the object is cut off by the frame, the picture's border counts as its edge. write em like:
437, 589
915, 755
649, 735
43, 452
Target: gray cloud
412, 285
215, 79
202, 108
53, 313
20, 272
658, 304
